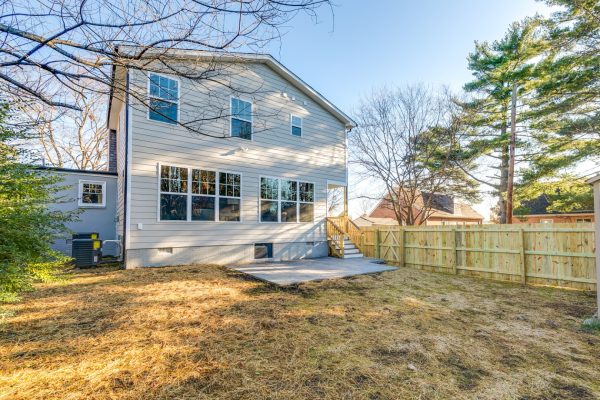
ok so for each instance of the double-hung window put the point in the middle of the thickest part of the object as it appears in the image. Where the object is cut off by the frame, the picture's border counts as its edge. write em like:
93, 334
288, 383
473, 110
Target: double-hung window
190, 194
241, 118
296, 125
163, 99
269, 199
229, 196
173, 193
203, 195
284, 200
307, 201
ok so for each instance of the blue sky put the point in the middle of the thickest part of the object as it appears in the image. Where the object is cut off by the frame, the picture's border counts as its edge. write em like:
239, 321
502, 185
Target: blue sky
391, 42
358, 47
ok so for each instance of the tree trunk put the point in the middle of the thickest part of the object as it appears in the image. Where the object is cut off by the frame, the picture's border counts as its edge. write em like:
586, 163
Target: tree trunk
504, 158
511, 153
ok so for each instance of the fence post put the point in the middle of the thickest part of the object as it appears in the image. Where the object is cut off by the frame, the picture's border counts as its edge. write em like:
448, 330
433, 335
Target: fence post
522, 256
402, 252
454, 255
377, 244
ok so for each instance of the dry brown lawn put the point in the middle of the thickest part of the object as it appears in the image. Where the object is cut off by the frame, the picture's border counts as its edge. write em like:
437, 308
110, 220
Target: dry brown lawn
203, 332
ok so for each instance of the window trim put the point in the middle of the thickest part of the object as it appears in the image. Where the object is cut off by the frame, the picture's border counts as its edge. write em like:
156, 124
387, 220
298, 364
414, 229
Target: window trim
279, 200
189, 194
292, 125
178, 102
80, 194
231, 117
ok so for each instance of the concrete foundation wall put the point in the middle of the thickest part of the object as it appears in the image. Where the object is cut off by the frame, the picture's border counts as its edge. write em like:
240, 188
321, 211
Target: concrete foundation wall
235, 254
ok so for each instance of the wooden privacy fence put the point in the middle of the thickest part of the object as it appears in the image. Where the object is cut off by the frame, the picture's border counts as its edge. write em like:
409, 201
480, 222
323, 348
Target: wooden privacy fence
559, 254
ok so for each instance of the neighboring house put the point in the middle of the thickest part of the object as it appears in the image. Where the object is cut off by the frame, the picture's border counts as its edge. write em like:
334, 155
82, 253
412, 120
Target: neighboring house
254, 185
94, 195
537, 213
445, 210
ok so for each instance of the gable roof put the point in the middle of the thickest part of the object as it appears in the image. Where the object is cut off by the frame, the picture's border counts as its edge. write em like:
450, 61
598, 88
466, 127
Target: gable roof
265, 59
442, 206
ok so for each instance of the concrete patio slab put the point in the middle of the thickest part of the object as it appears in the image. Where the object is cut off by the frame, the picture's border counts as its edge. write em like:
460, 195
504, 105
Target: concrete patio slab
315, 269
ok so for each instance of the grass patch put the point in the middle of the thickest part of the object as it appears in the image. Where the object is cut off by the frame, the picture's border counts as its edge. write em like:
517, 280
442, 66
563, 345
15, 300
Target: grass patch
591, 325
204, 332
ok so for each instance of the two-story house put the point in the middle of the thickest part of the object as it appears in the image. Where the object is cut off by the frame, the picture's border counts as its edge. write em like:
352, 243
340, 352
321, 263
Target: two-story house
222, 158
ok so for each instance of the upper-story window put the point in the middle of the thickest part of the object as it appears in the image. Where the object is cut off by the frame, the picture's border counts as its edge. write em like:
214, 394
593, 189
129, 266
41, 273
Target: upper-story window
92, 193
296, 124
163, 99
241, 118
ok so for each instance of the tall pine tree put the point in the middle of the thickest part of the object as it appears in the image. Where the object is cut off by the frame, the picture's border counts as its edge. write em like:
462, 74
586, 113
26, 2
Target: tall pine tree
565, 111
500, 67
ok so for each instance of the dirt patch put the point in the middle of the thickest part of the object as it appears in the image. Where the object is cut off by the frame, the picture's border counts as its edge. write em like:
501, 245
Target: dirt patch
467, 375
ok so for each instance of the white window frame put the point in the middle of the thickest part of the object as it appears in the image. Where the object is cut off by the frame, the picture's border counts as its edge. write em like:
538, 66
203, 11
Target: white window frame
279, 200
307, 202
214, 196
231, 117
583, 220
80, 202
292, 116
189, 194
161, 99
217, 192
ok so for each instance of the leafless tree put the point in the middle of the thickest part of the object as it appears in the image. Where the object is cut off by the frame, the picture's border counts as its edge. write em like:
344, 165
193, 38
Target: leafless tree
409, 139
335, 201
53, 51
69, 138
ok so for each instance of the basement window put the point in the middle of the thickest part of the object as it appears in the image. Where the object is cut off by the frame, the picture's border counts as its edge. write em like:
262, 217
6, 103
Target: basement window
263, 250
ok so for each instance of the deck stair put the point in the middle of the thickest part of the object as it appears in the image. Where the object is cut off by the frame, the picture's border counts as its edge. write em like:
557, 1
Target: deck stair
340, 232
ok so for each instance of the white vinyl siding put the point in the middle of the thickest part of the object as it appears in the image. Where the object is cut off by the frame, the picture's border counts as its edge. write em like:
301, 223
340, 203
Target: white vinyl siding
320, 156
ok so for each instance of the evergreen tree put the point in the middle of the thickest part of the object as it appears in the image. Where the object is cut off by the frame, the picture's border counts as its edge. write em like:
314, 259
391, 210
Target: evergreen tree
27, 227
499, 68
565, 111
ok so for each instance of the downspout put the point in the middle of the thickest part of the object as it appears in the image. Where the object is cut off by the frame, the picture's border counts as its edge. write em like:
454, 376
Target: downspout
126, 171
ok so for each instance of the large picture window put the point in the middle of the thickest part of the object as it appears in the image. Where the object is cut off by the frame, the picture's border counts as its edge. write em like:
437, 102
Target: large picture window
283, 200
241, 118
190, 194
163, 99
